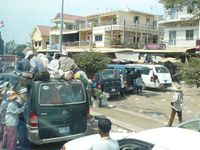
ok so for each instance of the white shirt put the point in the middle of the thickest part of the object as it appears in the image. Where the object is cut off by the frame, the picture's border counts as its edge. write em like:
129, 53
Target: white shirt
177, 101
106, 143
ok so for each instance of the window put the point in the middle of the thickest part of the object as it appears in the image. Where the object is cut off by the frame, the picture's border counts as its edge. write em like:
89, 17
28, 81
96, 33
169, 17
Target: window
189, 34
61, 94
172, 37
39, 43
109, 74
136, 20
98, 37
147, 22
161, 70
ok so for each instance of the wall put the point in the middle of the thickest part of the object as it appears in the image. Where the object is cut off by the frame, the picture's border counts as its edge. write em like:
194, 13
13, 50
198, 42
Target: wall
181, 36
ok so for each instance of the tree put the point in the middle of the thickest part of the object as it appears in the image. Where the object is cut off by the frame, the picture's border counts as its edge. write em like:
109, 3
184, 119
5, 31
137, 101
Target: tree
19, 49
90, 61
193, 5
1, 45
190, 72
10, 47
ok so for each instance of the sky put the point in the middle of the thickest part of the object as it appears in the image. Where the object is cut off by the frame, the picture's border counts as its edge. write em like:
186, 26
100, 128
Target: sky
20, 17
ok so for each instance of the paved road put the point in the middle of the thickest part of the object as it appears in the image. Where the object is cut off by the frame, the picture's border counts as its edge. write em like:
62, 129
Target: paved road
150, 110
136, 113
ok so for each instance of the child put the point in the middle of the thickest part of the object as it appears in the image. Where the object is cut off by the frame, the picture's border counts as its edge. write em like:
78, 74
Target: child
11, 121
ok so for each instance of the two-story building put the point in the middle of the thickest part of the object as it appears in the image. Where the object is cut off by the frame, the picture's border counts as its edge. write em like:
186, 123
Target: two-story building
118, 29
178, 31
40, 37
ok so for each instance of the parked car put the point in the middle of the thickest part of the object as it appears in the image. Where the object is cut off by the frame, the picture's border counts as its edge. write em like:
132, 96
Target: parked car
108, 80
130, 74
154, 76
56, 110
164, 138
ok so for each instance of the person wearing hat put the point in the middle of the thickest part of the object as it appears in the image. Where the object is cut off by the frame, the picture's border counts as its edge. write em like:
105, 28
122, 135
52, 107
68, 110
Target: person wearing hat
36, 65
176, 105
11, 121
24, 63
106, 142
67, 63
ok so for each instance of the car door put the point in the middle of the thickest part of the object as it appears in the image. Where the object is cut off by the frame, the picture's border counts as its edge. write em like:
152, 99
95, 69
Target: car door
163, 75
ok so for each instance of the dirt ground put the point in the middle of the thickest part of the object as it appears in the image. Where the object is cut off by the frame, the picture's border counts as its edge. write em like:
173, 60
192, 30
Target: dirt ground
156, 103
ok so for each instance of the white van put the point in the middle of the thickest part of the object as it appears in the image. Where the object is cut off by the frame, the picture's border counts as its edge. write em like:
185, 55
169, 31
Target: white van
154, 76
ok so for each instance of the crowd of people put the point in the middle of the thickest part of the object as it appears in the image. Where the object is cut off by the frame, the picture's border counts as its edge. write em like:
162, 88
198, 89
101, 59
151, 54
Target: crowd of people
13, 101
12, 105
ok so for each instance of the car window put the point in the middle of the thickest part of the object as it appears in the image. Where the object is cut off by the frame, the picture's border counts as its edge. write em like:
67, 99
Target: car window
61, 94
109, 74
161, 70
192, 125
145, 71
133, 144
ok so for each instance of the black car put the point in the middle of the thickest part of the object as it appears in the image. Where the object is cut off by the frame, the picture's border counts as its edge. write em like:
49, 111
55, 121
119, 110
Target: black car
108, 80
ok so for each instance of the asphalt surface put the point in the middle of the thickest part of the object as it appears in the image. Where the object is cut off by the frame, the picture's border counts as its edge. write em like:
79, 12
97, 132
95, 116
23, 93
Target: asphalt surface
151, 110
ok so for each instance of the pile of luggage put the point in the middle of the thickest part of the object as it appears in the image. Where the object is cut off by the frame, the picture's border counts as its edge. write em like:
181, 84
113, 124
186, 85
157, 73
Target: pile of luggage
59, 67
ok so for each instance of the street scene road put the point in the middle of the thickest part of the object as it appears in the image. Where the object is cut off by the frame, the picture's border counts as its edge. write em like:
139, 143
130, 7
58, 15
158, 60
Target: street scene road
137, 113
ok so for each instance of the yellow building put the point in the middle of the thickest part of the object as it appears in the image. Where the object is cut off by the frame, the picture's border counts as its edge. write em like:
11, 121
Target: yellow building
40, 37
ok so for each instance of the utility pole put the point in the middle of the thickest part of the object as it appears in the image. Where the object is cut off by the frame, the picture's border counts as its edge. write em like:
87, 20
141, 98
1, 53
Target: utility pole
61, 27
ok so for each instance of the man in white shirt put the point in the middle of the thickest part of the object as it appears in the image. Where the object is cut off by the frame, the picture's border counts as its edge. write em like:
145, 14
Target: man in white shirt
106, 143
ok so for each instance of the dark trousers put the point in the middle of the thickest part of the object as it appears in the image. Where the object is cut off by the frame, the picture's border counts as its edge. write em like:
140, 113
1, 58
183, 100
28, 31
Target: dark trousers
122, 92
139, 90
173, 113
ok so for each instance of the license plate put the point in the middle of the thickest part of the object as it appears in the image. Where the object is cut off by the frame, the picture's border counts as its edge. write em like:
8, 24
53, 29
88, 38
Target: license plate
64, 130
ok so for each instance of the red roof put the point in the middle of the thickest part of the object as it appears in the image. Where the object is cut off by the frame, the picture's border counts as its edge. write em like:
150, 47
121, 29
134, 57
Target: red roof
44, 30
69, 17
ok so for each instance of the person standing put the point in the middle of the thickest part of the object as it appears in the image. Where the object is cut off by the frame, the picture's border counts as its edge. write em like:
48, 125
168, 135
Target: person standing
176, 105
106, 142
122, 88
139, 83
23, 64
11, 121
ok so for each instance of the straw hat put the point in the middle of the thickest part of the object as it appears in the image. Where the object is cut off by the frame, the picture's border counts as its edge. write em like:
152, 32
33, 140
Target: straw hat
12, 95
177, 87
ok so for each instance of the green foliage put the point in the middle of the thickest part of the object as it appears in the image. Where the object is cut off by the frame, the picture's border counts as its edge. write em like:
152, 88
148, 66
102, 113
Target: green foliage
13, 48
190, 72
20, 48
90, 61
10, 47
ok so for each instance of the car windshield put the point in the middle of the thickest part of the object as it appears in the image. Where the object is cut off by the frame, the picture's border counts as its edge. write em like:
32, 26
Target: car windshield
61, 94
109, 74
161, 70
